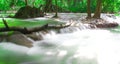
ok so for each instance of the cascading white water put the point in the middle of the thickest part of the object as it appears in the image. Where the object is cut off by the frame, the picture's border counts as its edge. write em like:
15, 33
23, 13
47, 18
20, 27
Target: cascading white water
94, 46
81, 47
84, 47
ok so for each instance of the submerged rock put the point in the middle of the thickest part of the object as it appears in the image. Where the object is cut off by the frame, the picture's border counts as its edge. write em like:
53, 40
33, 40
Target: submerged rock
20, 39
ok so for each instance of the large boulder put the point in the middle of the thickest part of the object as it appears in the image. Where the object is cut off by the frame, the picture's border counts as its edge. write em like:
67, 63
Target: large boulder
20, 39
28, 12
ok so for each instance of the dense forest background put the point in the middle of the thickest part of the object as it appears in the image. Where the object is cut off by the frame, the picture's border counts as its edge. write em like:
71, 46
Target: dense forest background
108, 6
60, 31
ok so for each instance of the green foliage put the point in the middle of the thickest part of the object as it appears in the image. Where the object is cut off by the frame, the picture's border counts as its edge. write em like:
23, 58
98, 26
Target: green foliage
37, 3
8, 4
70, 5
4, 4
20, 3
111, 6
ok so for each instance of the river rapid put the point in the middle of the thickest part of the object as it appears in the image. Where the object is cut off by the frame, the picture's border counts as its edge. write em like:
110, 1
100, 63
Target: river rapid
88, 46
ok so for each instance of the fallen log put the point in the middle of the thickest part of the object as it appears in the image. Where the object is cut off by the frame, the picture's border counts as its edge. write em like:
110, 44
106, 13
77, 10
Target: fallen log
31, 30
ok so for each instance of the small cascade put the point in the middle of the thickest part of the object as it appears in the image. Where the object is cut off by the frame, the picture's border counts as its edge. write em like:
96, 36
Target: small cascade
92, 46
76, 44
80, 47
75, 26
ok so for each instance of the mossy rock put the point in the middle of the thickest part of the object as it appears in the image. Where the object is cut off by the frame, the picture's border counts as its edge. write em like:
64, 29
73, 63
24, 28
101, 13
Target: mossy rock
28, 12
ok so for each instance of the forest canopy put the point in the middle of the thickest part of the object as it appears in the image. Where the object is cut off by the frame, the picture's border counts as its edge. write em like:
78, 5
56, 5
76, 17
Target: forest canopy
108, 6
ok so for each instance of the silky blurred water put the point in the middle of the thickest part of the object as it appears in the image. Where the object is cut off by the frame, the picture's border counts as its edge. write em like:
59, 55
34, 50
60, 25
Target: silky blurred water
88, 46
80, 47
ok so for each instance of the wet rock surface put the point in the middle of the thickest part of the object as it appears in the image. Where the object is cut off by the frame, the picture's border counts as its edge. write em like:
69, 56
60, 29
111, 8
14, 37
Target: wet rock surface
20, 39
101, 23
107, 25
35, 36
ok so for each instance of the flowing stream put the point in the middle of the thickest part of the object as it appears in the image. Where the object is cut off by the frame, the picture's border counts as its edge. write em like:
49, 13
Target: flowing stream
80, 47
88, 46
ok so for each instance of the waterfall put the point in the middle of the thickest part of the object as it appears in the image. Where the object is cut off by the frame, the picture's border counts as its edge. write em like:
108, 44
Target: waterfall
85, 46
93, 46
71, 45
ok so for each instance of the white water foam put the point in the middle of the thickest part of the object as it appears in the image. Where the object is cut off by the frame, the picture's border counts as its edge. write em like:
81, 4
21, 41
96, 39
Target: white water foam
79, 47
85, 46
14, 47
92, 46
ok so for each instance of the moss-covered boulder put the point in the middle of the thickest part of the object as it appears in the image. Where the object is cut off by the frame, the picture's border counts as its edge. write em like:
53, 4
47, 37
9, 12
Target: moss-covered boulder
28, 12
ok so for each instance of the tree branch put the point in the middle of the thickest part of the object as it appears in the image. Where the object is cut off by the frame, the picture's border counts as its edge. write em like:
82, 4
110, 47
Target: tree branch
5, 23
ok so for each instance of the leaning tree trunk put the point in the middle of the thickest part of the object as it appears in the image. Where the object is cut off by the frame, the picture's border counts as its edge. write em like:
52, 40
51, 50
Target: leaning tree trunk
98, 9
88, 9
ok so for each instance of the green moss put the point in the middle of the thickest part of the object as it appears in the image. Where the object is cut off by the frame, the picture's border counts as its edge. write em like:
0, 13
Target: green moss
27, 23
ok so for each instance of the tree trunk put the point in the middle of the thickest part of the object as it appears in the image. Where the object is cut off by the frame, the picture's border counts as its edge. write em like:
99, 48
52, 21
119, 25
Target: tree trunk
98, 9
56, 11
48, 6
88, 9
26, 2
